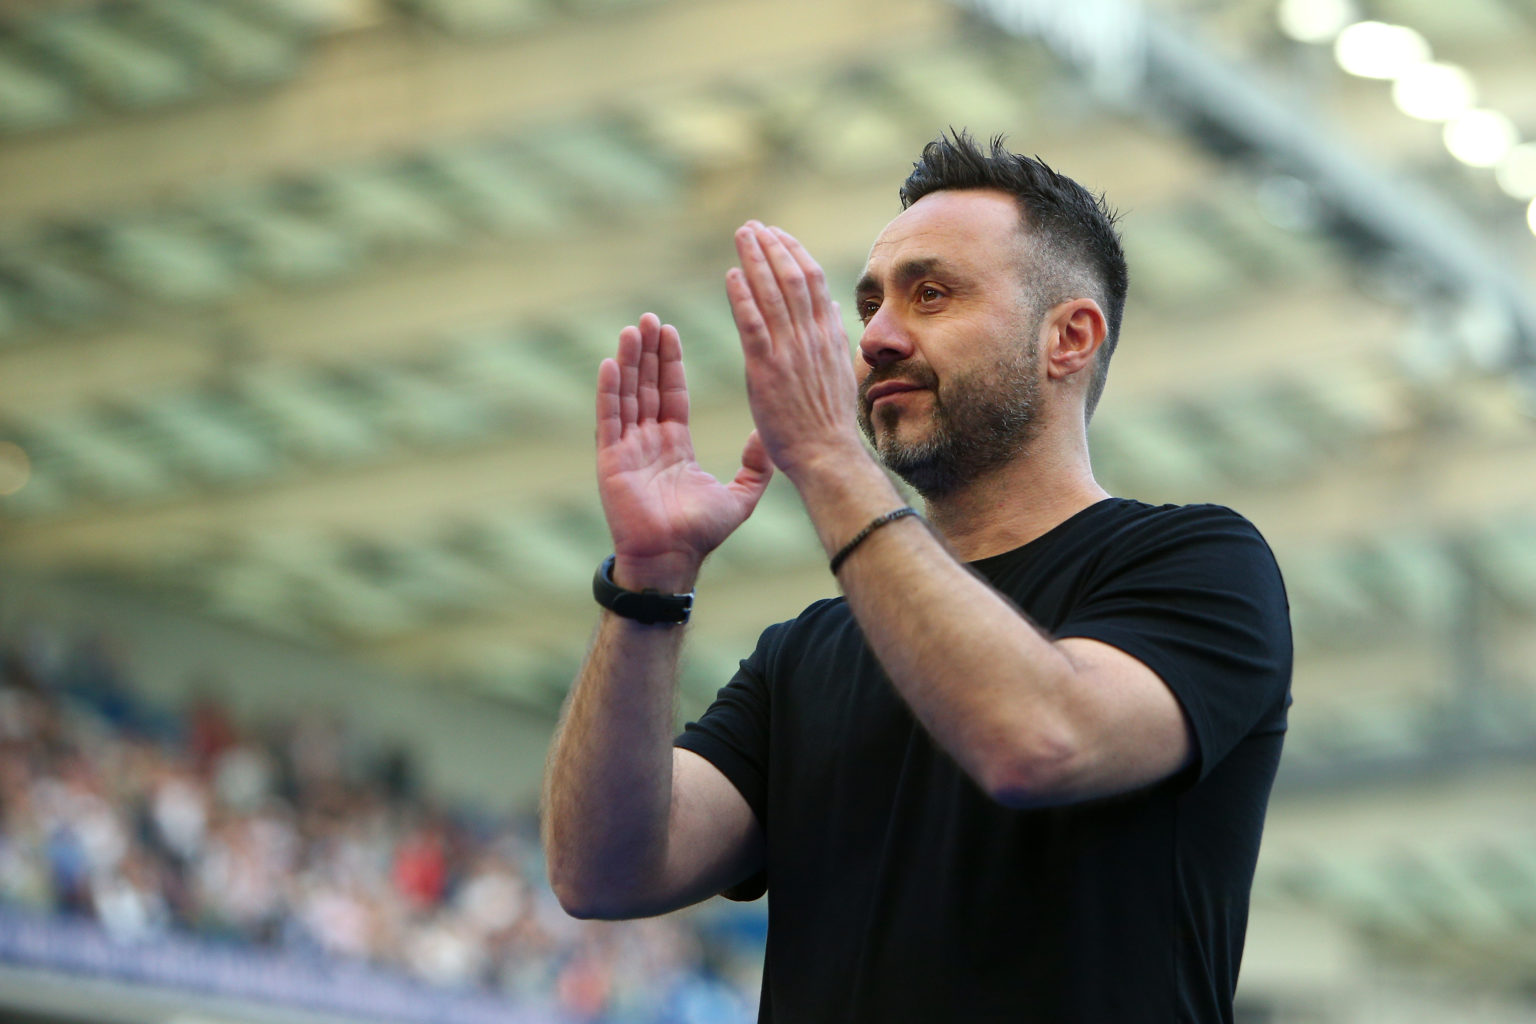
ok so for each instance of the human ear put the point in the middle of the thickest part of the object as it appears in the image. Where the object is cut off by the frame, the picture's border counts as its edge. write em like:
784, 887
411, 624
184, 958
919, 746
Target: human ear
1075, 330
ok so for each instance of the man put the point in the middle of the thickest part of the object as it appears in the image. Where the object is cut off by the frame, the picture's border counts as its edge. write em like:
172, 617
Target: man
1019, 771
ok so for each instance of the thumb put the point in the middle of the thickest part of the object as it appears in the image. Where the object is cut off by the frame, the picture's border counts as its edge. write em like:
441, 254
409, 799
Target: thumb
756, 470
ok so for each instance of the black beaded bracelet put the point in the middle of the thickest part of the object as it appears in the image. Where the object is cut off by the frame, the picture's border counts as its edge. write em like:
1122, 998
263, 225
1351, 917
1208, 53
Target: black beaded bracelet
859, 538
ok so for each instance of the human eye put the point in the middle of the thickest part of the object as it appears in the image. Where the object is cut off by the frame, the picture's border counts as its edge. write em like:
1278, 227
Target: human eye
867, 308
929, 294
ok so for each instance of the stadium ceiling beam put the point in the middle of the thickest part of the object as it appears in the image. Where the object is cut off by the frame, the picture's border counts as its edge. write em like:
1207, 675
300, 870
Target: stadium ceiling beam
1140, 61
1267, 335
409, 489
741, 604
400, 307
736, 607
1431, 485
395, 86
1420, 485
1396, 814
403, 500
403, 314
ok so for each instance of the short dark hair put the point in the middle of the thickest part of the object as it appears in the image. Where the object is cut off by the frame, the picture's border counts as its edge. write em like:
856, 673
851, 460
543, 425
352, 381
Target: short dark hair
1075, 248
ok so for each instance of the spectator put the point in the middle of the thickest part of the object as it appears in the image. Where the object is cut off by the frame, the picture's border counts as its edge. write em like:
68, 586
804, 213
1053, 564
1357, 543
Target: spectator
271, 838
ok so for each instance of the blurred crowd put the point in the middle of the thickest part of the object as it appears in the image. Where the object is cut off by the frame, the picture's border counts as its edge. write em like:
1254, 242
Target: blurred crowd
293, 836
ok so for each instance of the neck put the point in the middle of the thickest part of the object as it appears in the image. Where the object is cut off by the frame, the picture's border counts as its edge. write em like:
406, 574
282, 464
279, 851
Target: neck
1016, 503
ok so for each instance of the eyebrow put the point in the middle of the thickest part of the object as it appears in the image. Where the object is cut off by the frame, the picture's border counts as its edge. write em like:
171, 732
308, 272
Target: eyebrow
903, 275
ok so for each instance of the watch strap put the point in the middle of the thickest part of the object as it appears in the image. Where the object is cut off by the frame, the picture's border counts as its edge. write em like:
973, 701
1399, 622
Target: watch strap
649, 606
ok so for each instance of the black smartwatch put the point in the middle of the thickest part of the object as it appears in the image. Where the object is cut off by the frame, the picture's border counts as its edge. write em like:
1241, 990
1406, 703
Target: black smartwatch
648, 606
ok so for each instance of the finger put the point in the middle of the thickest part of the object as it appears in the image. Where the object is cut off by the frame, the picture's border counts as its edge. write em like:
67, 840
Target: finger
764, 285
756, 470
836, 327
610, 426
815, 278
650, 344
789, 275
756, 342
828, 313
628, 360
672, 384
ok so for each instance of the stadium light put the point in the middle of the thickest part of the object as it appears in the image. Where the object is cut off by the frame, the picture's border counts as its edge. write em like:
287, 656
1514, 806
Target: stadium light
1314, 21
1374, 49
1434, 92
1480, 138
1516, 173
1422, 88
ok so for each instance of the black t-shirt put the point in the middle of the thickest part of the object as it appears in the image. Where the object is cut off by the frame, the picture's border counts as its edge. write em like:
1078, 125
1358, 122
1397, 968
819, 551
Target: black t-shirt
898, 891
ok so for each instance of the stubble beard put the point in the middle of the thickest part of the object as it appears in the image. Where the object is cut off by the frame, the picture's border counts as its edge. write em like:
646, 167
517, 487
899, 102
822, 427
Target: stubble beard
978, 422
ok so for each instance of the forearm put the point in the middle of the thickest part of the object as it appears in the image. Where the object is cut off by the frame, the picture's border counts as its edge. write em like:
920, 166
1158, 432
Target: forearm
626, 831
1031, 720
608, 778
974, 671
987, 685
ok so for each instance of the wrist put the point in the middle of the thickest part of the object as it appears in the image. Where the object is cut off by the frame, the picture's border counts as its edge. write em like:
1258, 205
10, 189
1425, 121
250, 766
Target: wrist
852, 485
830, 466
842, 497
843, 553
668, 573
649, 606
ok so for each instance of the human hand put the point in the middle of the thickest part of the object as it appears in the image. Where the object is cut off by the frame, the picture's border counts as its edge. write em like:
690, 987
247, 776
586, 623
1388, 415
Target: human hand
664, 511
800, 379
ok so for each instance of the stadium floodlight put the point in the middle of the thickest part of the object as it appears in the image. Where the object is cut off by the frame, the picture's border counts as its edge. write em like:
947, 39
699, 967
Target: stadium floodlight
1480, 138
1170, 68
1375, 49
1516, 173
1314, 21
1432, 91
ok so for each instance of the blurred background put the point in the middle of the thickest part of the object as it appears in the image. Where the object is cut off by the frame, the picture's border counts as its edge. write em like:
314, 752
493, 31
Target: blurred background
301, 303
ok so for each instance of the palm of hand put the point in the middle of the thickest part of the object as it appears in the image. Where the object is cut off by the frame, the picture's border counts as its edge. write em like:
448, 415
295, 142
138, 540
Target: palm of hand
659, 500
662, 508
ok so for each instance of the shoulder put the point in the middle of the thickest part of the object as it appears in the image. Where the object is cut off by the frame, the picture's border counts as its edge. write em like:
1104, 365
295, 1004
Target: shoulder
827, 613
1120, 533
1127, 519
1128, 514
1136, 526
820, 621
1167, 553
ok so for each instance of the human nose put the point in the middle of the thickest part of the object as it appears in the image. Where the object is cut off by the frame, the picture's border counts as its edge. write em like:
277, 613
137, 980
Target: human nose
885, 339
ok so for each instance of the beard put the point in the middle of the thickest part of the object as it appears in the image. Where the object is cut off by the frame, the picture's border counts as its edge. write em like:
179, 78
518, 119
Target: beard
979, 421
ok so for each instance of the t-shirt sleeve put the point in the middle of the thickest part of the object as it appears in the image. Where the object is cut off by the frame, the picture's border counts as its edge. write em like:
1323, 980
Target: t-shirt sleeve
1197, 597
732, 735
